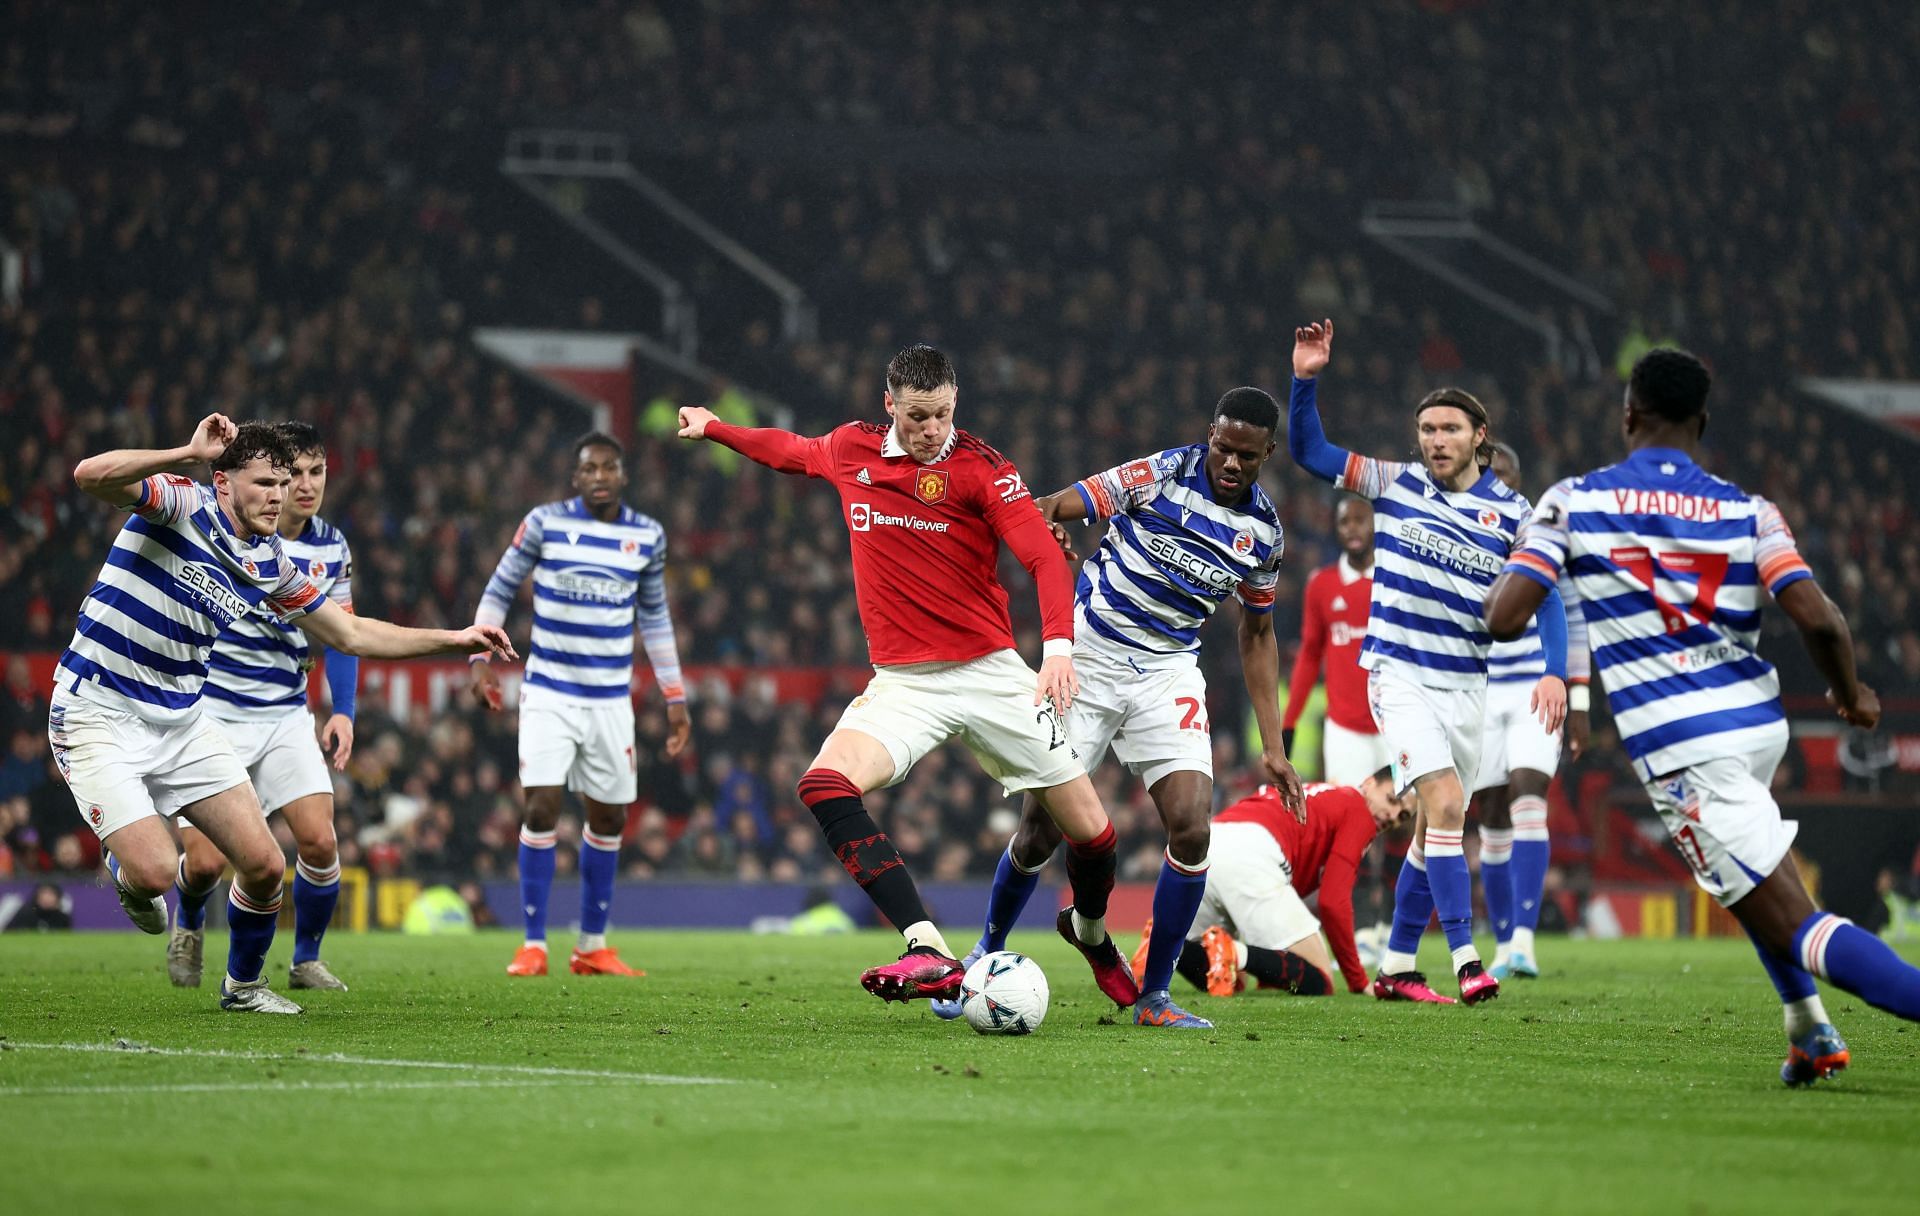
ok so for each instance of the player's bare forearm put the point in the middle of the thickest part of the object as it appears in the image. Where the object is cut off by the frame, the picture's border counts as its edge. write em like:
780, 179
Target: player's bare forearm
1063, 507
111, 476
1260, 668
1511, 602
1829, 642
375, 639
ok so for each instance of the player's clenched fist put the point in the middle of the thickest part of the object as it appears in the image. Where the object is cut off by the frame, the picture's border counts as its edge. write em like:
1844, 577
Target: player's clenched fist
211, 437
694, 420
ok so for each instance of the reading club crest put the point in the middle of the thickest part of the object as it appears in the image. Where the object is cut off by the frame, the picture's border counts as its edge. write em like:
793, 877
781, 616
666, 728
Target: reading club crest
930, 486
1489, 518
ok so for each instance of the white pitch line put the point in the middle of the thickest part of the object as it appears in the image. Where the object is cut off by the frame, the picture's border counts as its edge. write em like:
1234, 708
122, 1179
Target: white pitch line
216, 1087
125, 1048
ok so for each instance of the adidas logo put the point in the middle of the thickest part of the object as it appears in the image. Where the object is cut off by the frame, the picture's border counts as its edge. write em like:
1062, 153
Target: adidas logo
864, 478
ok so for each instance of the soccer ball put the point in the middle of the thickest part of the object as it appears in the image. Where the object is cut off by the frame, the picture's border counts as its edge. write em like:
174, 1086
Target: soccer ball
1004, 993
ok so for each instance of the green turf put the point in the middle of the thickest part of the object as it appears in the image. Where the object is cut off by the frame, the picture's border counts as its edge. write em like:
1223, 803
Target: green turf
1634, 1077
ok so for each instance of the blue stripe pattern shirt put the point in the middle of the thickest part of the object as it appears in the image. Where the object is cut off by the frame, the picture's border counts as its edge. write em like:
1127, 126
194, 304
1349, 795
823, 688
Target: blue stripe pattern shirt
261, 662
176, 577
1436, 552
1669, 562
593, 580
1172, 554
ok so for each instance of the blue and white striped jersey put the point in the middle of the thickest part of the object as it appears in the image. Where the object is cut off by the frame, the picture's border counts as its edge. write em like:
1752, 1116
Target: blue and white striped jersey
1172, 554
1436, 552
261, 662
1522, 660
176, 576
592, 582
1669, 561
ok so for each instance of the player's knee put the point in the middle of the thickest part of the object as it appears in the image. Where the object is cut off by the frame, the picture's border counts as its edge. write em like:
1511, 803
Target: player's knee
201, 862
148, 874
1035, 839
317, 845
262, 866
1188, 839
543, 809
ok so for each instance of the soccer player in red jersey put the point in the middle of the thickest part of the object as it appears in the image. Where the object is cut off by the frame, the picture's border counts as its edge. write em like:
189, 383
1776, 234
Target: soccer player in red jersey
928, 507
1266, 863
1332, 626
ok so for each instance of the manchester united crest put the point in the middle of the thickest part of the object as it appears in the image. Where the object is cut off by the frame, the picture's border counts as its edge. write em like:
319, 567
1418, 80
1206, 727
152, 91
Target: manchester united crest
930, 486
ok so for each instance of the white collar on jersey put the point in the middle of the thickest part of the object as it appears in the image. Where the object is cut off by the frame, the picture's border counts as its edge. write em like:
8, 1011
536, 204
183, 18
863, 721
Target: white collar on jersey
1349, 573
891, 446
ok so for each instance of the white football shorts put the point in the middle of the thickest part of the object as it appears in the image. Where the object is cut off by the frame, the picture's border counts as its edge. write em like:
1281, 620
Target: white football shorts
986, 703
282, 754
122, 768
1351, 757
1723, 819
1250, 891
588, 748
1513, 738
1153, 716
1427, 730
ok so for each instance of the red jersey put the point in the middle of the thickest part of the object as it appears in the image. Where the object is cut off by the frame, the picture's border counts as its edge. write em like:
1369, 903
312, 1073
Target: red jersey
1332, 626
926, 537
1324, 853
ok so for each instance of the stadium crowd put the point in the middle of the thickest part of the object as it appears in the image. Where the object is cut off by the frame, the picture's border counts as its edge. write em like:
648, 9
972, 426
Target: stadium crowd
302, 224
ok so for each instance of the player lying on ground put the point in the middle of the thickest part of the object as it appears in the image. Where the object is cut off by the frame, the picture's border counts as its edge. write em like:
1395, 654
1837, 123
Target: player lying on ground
1333, 626
125, 720
256, 691
1517, 762
599, 570
1189, 527
1443, 527
928, 507
1669, 561
1255, 918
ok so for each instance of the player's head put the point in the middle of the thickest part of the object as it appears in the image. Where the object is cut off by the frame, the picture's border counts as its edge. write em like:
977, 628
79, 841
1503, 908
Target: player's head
1388, 808
1239, 441
1353, 525
921, 391
1505, 463
599, 470
1667, 394
250, 478
308, 489
1451, 426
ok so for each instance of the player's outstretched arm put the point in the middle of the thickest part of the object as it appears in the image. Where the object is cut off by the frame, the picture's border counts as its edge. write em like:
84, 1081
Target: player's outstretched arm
113, 477
1579, 672
781, 451
1260, 668
372, 639
1830, 644
1306, 439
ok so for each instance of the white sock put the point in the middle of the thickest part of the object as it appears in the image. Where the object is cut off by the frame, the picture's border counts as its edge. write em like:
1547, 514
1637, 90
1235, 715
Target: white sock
532, 945
922, 933
589, 942
1392, 962
1464, 955
1502, 951
1522, 942
1090, 932
1240, 954
1803, 1016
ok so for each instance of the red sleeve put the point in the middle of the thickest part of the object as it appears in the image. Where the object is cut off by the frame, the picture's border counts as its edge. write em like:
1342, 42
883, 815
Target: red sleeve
1010, 511
780, 450
1336, 896
1306, 664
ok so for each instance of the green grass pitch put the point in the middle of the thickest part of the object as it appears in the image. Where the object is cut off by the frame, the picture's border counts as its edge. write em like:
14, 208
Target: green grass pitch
751, 1074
